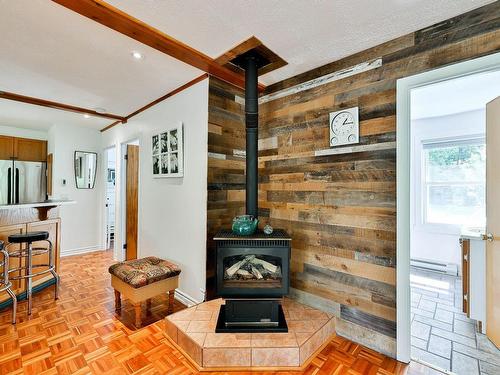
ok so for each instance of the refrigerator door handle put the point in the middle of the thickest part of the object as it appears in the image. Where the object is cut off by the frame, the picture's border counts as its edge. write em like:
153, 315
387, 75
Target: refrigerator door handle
17, 185
9, 187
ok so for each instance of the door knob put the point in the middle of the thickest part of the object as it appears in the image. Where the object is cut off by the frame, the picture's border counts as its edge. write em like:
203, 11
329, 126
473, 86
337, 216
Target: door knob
488, 237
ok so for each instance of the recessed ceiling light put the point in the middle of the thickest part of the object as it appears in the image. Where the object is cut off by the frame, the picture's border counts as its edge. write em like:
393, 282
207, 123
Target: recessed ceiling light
86, 115
137, 55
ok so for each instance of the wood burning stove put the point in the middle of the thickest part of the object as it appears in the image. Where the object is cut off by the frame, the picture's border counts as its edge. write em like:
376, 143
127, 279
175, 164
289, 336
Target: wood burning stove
255, 266
253, 272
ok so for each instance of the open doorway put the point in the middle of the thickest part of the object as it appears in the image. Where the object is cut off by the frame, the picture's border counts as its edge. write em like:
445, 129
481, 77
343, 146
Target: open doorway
447, 205
110, 197
442, 217
129, 198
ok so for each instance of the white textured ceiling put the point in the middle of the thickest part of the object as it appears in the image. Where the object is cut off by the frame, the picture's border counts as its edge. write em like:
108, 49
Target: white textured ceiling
50, 52
27, 116
306, 33
457, 95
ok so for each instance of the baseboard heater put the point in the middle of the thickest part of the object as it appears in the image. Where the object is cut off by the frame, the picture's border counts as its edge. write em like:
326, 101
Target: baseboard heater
447, 268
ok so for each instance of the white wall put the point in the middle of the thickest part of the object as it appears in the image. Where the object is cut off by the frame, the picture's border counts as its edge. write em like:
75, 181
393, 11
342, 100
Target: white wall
172, 212
428, 242
80, 223
24, 133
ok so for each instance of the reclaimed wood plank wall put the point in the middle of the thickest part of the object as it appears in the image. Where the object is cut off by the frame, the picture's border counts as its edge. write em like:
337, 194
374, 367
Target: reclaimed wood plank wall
340, 206
226, 165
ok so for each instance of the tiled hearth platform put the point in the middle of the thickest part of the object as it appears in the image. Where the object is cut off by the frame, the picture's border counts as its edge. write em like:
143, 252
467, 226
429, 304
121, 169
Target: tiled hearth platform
193, 332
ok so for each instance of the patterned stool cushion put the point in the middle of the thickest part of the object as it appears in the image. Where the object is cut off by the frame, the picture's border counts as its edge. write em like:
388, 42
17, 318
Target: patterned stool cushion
140, 272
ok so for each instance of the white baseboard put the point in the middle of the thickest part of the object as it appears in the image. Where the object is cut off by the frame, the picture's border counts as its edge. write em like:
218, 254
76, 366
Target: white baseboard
184, 298
81, 250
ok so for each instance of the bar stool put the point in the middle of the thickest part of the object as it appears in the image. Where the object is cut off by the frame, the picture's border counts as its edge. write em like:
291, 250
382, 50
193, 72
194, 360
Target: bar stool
28, 252
5, 284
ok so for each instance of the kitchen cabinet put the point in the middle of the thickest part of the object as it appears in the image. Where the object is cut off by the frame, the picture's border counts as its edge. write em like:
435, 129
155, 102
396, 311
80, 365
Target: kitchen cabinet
6, 147
24, 220
30, 149
465, 245
474, 277
22, 149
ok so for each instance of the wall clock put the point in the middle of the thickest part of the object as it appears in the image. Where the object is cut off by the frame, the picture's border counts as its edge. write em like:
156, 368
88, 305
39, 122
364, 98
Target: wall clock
344, 127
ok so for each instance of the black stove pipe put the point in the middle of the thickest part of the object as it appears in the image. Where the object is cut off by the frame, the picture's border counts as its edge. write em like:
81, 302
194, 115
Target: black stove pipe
252, 123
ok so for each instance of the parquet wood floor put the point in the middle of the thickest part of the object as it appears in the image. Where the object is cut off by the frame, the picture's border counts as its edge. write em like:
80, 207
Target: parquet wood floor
81, 334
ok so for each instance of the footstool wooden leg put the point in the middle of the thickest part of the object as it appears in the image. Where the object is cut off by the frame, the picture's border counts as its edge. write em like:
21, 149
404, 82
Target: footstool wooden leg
118, 301
171, 294
148, 304
138, 322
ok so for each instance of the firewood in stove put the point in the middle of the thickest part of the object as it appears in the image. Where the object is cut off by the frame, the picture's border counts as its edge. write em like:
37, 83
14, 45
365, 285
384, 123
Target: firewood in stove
235, 267
245, 274
256, 273
268, 266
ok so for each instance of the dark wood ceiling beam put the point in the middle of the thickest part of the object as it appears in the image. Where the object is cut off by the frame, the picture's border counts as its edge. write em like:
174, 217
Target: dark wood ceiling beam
109, 16
56, 105
156, 101
110, 126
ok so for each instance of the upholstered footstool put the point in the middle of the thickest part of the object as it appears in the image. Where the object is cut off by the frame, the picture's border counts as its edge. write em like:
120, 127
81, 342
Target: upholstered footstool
141, 279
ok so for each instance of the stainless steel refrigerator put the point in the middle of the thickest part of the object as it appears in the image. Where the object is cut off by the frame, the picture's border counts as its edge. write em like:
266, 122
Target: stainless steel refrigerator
22, 182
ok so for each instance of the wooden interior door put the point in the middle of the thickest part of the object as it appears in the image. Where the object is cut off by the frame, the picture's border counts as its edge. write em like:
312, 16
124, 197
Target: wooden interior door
50, 163
5, 232
493, 221
132, 192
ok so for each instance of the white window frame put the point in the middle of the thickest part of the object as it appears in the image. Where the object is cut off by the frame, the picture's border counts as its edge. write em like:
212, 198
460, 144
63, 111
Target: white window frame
421, 204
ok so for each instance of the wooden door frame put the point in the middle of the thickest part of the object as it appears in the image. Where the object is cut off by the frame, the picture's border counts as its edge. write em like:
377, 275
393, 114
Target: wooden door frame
120, 252
403, 165
132, 198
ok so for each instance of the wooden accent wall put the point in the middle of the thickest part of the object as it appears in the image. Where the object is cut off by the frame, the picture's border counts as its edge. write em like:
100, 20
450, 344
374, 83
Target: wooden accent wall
226, 165
341, 208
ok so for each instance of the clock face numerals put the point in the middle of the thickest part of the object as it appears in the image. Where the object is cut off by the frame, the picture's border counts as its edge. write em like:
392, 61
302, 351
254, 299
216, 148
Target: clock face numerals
343, 124
344, 127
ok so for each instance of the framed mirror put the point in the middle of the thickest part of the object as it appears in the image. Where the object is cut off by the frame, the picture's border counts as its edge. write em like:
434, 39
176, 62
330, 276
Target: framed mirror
85, 169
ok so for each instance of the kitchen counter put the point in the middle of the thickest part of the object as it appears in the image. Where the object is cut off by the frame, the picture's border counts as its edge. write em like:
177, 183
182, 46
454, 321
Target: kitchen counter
47, 203
32, 217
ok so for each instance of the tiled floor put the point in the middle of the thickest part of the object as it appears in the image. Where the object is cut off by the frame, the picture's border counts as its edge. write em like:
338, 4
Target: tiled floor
441, 334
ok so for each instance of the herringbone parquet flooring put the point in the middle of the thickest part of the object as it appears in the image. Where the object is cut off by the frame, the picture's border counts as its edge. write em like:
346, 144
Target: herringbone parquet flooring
81, 334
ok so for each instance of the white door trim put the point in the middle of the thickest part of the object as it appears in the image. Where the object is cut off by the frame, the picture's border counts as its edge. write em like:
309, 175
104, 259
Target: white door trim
403, 136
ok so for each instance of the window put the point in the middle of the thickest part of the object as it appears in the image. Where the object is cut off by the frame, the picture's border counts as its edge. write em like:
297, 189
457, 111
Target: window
454, 182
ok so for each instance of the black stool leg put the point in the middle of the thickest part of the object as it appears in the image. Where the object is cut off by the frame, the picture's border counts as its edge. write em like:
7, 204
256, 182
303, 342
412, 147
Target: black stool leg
52, 269
29, 288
